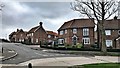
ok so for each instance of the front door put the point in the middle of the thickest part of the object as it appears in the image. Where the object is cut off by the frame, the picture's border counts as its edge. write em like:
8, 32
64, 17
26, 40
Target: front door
74, 40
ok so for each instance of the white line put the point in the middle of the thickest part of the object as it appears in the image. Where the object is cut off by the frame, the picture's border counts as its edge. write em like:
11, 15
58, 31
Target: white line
38, 53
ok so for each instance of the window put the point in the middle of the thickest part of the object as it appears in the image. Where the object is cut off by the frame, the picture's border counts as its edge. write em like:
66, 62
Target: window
65, 40
118, 32
31, 34
21, 34
86, 40
61, 32
65, 31
36, 40
32, 40
85, 32
49, 36
108, 43
74, 31
108, 32
22, 40
61, 41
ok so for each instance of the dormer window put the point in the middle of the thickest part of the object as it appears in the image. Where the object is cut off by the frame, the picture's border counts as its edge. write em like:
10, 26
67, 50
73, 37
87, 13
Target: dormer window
118, 32
74, 31
108, 32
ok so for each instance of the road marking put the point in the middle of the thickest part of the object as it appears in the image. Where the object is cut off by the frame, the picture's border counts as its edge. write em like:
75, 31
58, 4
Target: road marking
45, 55
38, 53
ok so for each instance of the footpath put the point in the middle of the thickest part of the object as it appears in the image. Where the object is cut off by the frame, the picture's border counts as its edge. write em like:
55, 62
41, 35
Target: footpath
5, 55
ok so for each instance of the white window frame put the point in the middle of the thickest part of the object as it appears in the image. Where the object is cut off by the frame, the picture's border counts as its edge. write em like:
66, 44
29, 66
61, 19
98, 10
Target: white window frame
118, 32
109, 43
85, 31
74, 31
65, 31
86, 40
61, 41
49, 36
31, 34
61, 32
108, 32
36, 40
32, 40
21, 35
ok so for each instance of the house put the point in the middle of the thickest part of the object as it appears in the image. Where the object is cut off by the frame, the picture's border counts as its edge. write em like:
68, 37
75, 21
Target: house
77, 31
12, 37
51, 36
18, 36
112, 31
36, 35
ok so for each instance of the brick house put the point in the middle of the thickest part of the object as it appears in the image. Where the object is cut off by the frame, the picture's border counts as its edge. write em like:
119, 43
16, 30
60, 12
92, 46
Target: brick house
36, 34
51, 36
18, 36
77, 31
112, 31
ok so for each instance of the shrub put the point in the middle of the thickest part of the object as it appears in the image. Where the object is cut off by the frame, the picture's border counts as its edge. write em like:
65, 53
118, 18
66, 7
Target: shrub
79, 45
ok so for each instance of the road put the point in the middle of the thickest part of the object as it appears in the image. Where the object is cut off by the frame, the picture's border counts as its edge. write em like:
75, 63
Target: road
26, 53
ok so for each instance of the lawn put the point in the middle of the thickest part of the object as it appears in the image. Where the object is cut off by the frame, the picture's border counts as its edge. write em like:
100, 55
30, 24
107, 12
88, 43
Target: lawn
99, 65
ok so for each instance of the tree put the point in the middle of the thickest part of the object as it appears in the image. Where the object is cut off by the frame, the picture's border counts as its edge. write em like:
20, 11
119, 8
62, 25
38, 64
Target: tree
100, 10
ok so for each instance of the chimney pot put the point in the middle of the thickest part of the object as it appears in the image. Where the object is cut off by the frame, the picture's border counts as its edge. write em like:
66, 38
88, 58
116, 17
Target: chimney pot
40, 23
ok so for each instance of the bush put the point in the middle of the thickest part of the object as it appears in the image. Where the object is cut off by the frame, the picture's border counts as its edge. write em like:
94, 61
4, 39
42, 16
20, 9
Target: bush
79, 45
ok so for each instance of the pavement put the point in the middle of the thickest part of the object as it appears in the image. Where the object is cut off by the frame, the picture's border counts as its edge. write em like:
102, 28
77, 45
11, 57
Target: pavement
7, 54
70, 61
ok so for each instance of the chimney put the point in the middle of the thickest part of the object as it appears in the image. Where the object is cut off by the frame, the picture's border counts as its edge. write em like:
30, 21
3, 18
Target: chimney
40, 24
17, 30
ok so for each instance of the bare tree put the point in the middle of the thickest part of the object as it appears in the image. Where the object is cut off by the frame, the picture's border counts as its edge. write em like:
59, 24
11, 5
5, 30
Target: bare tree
100, 10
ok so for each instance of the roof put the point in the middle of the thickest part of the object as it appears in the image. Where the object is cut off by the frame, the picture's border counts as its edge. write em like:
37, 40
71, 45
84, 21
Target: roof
13, 33
33, 29
78, 23
112, 24
52, 33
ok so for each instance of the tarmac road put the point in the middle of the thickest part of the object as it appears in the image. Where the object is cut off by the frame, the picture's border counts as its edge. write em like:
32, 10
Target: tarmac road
26, 53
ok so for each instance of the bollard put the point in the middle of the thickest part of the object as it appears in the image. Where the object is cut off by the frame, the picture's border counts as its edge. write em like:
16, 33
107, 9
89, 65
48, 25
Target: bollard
29, 65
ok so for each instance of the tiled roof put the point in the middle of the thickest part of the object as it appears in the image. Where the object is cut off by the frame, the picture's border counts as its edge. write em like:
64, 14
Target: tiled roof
33, 29
77, 23
52, 33
112, 24
13, 33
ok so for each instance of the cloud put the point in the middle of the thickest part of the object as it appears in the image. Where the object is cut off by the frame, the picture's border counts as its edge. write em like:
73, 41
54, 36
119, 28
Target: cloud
26, 15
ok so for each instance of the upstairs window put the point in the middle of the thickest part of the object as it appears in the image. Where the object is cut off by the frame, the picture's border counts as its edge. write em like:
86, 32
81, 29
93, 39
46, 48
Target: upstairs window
21, 34
108, 32
31, 34
61, 32
74, 31
49, 36
65, 31
85, 32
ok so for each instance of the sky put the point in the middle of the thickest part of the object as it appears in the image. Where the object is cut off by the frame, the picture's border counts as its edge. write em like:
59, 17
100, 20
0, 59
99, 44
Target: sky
26, 15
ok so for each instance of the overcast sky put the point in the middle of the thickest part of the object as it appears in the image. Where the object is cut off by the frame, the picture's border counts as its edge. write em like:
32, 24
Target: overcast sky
25, 15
